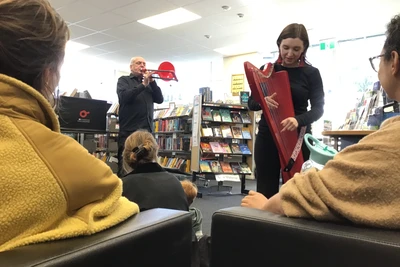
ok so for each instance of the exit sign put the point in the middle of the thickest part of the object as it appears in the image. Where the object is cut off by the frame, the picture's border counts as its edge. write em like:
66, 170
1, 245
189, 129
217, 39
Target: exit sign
327, 45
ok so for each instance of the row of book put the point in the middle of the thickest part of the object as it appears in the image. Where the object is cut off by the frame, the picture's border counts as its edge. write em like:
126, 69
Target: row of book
224, 148
226, 131
215, 166
172, 125
172, 112
225, 115
175, 163
182, 143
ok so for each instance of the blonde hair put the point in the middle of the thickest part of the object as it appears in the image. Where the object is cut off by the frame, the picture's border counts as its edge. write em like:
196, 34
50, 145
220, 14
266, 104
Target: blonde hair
190, 190
140, 147
32, 43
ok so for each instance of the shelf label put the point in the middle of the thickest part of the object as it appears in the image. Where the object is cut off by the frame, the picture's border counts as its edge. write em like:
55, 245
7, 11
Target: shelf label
227, 177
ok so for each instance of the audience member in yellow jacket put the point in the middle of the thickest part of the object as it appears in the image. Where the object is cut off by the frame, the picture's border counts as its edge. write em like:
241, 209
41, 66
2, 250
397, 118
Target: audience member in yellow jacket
362, 183
50, 186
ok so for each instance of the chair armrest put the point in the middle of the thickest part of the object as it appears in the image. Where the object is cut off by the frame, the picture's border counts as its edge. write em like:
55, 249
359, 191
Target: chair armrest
249, 237
157, 237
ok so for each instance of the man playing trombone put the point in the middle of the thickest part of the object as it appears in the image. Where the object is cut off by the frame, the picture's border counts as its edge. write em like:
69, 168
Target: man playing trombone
137, 94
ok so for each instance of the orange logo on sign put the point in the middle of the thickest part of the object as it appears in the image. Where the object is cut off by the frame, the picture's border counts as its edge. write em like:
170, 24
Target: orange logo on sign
84, 113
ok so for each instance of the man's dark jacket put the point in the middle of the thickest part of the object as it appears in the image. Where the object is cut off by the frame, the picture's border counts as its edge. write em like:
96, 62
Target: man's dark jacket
136, 103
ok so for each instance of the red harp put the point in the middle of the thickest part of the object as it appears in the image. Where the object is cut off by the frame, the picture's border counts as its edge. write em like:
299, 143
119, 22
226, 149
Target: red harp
265, 83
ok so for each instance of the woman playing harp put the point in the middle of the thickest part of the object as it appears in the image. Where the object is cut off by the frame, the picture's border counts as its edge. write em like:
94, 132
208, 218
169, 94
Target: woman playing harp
306, 86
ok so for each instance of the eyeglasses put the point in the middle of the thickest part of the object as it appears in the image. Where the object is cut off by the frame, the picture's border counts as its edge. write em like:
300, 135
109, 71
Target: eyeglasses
374, 62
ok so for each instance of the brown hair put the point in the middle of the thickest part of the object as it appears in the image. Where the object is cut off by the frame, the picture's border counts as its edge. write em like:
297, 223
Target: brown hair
140, 147
32, 43
392, 42
190, 190
295, 30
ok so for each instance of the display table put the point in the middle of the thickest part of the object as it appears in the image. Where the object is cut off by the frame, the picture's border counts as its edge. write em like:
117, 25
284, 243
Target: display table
346, 137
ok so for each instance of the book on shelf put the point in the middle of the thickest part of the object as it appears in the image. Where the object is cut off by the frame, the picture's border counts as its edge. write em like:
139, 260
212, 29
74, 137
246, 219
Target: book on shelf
244, 149
216, 115
226, 167
215, 166
225, 115
245, 117
207, 132
206, 147
226, 131
175, 163
244, 167
236, 167
216, 147
235, 115
167, 113
206, 114
204, 166
237, 132
246, 133
225, 147
235, 148
173, 112
217, 131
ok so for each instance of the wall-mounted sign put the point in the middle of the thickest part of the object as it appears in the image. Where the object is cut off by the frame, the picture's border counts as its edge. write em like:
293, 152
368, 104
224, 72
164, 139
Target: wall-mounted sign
237, 84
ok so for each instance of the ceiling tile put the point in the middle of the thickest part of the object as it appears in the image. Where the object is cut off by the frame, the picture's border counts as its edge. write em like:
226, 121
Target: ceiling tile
122, 58
78, 11
195, 30
160, 40
60, 3
207, 8
119, 45
230, 17
182, 3
187, 49
131, 31
77, 31
104, 21
107, 5
92, 51
95, 39
143, 9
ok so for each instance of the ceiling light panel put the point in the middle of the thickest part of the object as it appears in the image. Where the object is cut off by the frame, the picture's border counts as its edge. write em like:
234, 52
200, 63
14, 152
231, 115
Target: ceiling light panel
170, 18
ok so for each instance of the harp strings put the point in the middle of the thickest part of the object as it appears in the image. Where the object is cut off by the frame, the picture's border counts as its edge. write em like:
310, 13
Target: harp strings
269, 90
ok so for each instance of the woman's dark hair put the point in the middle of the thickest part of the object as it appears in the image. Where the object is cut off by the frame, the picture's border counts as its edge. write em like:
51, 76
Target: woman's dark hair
295, 30
32, 43
392, 42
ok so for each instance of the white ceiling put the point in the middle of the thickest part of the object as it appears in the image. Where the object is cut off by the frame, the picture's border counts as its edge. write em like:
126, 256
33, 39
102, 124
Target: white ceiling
109, 27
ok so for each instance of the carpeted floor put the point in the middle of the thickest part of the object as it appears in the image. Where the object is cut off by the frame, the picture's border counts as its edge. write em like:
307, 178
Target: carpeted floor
208, 204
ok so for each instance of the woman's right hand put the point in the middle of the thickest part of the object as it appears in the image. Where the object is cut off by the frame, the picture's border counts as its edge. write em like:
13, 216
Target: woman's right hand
272, 104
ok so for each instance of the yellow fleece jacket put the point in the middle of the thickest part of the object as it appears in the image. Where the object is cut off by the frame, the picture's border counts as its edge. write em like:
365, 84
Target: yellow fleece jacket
361, 184
50, 186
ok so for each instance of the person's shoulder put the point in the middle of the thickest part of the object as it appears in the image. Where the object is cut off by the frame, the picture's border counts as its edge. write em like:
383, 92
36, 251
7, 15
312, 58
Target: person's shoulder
393, 122
125, 77
310, 70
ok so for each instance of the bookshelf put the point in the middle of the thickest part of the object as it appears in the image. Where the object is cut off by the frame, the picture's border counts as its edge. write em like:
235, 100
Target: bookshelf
222, 142
173, 133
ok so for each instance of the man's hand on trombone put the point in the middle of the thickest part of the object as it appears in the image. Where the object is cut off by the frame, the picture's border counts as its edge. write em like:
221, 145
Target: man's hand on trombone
147, 77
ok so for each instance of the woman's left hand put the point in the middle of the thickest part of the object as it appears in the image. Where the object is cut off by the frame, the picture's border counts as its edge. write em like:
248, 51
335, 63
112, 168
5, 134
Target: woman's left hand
254, 200
289, 124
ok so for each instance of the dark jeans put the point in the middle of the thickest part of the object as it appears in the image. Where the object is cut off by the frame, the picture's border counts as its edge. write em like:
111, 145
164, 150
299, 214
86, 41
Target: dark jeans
121, 144
267, 162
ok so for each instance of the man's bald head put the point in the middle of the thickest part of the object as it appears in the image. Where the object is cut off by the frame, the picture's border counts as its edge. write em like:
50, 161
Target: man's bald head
137, 65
